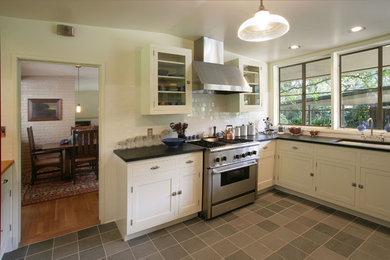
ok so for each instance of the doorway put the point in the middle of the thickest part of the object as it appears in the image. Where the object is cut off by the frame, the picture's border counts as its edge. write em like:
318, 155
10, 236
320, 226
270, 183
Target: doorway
55, 200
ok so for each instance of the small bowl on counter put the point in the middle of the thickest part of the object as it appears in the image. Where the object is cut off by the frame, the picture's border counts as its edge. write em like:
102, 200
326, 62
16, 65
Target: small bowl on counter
173, 142
295, 131
314, 133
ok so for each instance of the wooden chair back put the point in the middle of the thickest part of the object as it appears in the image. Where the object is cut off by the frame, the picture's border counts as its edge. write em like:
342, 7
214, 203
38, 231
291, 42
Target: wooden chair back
72, 128
85, 143
31, 141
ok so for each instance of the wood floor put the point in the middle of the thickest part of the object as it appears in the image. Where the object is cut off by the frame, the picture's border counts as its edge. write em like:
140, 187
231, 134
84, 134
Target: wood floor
52, 218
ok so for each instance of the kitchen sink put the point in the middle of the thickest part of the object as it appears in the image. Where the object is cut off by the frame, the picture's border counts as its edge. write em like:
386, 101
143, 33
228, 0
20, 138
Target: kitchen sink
373, 144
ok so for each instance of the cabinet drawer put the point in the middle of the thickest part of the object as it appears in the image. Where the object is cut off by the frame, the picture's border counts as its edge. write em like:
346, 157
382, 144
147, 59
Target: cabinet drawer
296, 147
266, 148
375, 160
327, 152
152, 167
189, 160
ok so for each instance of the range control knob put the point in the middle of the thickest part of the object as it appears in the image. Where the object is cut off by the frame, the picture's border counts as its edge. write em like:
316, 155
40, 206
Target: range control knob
217, 159
248, 153
237, 156
254, 152
243, 155
224, 158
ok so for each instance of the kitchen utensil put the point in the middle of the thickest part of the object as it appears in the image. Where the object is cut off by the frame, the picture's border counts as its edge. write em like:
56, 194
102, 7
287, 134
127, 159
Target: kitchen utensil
237, 131
251, 129
215, 131
295, 130
313, 133
244, 130
173, 142
229, 134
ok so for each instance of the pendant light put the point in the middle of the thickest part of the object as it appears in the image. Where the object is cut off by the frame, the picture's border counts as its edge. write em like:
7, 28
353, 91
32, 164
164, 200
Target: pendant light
263, 26
78, 107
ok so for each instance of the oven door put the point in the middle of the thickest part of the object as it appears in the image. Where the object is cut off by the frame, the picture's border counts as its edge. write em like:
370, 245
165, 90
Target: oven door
233, 180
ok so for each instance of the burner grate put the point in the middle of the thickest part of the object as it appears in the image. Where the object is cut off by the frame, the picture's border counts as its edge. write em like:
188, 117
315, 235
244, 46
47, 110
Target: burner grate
208, 144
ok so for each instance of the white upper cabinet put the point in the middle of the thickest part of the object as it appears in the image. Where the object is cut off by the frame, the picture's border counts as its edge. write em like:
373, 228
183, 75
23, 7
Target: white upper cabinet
246, 102
166, 74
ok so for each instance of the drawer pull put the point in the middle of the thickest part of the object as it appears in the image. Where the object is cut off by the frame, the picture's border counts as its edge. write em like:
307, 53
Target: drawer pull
311, 174
5, 181
265, 147
155, 167
179, 192
294, 147
360, 186
189, 161
353, 184
174, 194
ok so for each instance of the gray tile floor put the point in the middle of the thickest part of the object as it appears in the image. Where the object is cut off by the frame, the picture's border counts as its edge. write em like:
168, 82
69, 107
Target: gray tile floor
276, 226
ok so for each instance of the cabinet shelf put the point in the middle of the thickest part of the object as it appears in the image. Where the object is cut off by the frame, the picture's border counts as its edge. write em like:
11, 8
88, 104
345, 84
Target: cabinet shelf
171, 92
250, 72
170, 77
171, 63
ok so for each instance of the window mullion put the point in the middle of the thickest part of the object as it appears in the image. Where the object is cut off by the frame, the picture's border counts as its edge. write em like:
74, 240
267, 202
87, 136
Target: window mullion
380, 83
304, 94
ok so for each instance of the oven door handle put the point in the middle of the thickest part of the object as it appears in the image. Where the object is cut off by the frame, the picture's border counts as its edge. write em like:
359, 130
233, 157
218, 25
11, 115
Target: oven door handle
233, 167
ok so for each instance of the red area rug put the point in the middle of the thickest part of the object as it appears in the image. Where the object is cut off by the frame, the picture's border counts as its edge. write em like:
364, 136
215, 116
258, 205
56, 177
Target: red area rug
51, 187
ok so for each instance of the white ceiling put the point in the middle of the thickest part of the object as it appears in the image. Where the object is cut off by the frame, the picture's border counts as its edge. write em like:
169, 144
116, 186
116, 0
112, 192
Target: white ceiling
89, 76
314, 24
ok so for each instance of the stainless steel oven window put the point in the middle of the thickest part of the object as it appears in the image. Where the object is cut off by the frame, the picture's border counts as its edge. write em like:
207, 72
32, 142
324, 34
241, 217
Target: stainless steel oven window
234, 176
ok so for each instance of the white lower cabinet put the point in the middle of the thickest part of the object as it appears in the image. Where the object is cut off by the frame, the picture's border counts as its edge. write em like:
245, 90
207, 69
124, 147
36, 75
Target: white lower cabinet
295, 172
156, 191
265, 178
6, 211
336, 182
357, 179
152, 200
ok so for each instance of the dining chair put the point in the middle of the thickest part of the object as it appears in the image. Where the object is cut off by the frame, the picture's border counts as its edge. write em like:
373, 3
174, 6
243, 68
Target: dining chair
85, 152
72, 128
43, 161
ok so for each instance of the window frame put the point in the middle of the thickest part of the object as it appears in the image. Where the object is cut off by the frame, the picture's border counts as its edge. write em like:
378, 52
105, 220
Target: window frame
379, 116
304, 79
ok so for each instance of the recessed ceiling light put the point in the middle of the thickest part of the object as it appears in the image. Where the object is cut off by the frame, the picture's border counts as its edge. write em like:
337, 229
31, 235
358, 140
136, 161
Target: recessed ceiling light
357, 29
294, 47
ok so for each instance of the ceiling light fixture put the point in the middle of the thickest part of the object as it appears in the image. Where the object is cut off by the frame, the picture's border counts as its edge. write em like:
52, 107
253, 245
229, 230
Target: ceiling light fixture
78, 107
357, 29
263, 26
294, 47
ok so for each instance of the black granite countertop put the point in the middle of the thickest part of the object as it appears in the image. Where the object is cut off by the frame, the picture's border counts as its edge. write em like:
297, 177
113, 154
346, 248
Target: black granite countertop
136, 154
318, 140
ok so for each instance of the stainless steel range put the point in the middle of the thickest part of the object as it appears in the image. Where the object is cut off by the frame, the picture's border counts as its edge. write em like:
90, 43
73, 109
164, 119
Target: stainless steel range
229, 175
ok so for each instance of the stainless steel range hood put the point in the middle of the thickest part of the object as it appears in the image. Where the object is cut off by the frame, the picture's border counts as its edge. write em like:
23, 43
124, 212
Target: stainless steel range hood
211, 76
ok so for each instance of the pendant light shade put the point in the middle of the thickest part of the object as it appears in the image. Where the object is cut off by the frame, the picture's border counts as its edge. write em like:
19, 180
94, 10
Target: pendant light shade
263, 26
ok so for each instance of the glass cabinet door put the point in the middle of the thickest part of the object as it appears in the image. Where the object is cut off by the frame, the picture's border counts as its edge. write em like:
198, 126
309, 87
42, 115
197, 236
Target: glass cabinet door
171, 76
252, 76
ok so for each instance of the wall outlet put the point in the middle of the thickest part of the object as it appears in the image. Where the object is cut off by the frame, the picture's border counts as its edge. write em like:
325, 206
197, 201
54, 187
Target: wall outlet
150, 131
3, 131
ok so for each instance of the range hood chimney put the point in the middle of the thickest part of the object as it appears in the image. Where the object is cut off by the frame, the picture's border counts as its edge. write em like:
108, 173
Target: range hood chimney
211, 76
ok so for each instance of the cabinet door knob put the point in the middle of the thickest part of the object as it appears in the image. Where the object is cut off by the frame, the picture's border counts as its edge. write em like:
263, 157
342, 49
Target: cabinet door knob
295, 148
155, 167
360, 186
173, 193
189, 161
179, 192
265, 147
311, 174
5, 181
353, 184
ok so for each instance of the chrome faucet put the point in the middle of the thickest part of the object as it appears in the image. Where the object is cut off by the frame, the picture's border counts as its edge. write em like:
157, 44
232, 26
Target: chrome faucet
372, 126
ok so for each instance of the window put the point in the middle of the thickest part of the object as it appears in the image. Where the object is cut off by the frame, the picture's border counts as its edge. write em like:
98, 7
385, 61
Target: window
305, 94
365, 87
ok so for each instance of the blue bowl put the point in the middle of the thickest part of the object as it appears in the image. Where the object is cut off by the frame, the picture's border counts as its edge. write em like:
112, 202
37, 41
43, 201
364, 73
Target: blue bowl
173, 142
